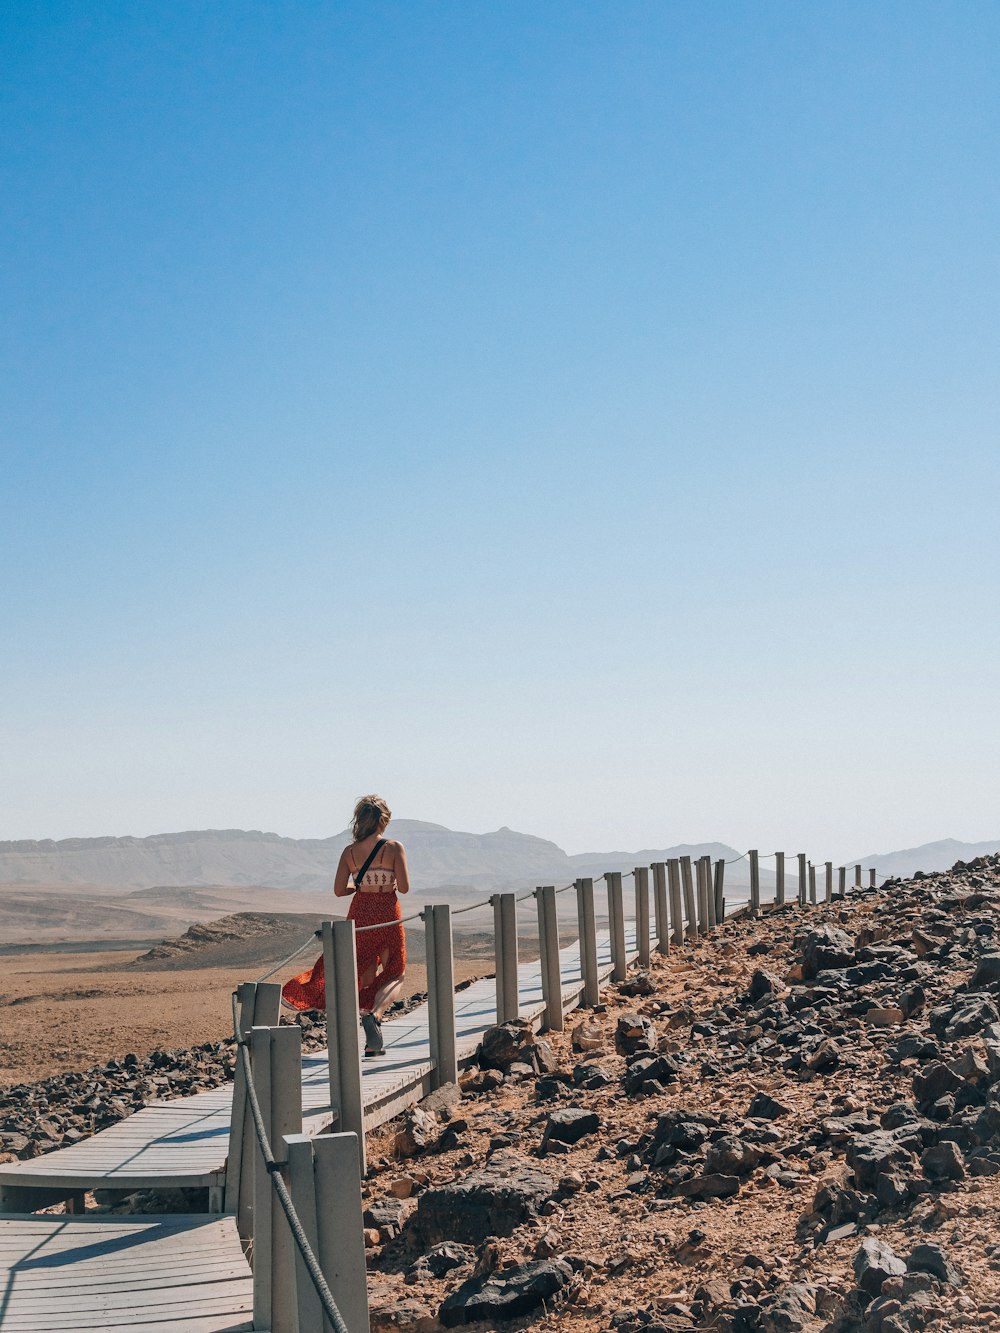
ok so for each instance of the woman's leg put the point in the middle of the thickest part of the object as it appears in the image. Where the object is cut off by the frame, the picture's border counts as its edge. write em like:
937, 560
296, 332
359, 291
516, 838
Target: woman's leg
393, 971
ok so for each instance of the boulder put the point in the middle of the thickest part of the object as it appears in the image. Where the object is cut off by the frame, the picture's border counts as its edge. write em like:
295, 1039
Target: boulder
507, 1295
730, 1156
765, 1107
709, 1186
635, 1032
987, 973
762, 983
490, 1201
874, 1262
932, 1259
824, 949
570, 1124
869, 1155
943, 1161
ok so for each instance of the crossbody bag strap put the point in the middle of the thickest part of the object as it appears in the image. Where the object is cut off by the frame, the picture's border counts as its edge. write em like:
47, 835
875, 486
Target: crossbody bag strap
360, 874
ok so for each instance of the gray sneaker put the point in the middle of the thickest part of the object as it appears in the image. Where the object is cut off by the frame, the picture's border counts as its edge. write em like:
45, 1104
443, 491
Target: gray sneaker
374, 1045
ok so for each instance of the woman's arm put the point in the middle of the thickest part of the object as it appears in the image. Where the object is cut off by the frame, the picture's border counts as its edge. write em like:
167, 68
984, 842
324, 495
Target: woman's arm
402, 869
340, 889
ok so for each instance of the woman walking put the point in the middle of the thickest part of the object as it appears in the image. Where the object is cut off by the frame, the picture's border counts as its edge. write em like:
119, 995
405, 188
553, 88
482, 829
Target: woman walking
374, 870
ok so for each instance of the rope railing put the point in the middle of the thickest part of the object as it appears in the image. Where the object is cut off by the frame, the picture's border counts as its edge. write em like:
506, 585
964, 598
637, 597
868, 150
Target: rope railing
274, 1169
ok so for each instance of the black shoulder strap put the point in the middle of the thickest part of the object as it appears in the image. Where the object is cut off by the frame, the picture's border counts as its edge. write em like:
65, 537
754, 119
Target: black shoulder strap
360, 874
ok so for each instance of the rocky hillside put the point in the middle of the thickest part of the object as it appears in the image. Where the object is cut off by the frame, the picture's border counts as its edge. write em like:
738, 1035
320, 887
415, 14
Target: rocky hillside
794, 1126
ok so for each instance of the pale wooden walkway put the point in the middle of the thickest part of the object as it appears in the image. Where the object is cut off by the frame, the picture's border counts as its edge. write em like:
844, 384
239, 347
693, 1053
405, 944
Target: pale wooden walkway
179, 1274
182, 1143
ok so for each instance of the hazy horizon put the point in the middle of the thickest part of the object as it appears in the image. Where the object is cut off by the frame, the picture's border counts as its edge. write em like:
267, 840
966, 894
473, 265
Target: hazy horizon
567, 417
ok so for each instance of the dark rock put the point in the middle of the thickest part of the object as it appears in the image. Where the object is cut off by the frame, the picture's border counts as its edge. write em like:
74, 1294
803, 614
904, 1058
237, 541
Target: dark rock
730, 1156
639, 983
964, 1018
874, 1262
840, 1204
762, 983
934, 1082
891, 1190
506, 1295
709, 1187
987, 973
765, 1107
824, 949
912, 1000
490, 1201
570, 1124
943, 1161
898, 1114
634, 1033
590, 1075
661, 1069
515, 1043
870, 1155
932, 1259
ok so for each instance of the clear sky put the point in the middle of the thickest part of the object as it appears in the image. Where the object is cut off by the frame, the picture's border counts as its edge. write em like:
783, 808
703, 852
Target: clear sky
575, 416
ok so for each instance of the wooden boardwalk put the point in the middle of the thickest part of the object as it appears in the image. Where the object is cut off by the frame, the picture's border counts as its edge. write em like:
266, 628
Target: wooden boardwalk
178, 1274
182, 1143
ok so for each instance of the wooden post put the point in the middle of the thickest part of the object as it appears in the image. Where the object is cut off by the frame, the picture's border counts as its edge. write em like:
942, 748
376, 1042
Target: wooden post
260, 1005
871, 877
441, 994
754, 883
779, 878
616, 917
842, 881
828, 893
704, 923
343, 1029
689, 903
812, 884
662, 910
548, 944
276, 1055
641, 875
505, 939
676, 916
710, 892
325, 1185
588, 942
803, 888
720, 889
857, 877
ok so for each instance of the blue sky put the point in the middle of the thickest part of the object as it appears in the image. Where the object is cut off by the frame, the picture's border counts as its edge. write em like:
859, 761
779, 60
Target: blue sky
580, 417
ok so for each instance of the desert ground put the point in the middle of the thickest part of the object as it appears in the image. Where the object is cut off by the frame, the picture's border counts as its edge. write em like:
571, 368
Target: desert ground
77, 987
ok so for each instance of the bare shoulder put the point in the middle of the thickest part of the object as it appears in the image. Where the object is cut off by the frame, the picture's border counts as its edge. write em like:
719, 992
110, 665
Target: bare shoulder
394, 845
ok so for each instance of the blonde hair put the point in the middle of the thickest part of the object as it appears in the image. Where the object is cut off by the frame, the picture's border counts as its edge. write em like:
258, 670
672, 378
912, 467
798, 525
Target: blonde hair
371, 815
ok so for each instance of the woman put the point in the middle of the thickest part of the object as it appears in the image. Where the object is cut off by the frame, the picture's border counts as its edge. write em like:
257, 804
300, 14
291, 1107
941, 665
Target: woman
374, 870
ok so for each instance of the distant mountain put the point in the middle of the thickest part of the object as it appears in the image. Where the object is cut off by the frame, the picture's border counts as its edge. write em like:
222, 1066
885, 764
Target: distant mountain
930, 856
439, 858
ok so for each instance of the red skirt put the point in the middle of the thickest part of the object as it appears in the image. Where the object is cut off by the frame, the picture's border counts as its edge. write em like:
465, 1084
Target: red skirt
385, 949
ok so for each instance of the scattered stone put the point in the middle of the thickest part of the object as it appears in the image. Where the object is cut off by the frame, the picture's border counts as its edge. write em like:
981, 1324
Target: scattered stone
874, 1262
507, 1295
943, 1161
765, 1107
569, 1125
490, 1201
635, 1032
826, 949
932, 1259
709, 1186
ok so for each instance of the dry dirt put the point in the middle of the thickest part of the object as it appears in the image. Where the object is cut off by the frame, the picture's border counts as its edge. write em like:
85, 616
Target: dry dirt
62, 1011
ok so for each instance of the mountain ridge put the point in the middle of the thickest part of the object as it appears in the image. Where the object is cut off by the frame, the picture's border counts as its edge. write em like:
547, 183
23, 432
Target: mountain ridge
440, 858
